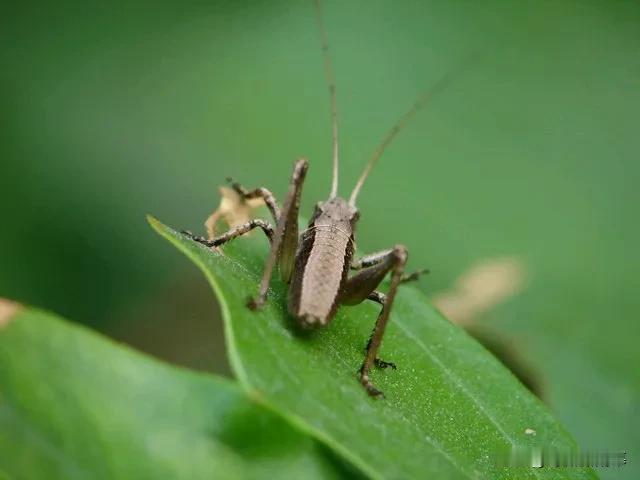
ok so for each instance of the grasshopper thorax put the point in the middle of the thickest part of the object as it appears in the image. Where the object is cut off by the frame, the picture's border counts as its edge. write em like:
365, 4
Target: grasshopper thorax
335, 211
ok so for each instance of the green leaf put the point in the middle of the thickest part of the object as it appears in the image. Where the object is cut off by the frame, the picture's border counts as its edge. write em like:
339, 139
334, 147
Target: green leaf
451, 409
74, 405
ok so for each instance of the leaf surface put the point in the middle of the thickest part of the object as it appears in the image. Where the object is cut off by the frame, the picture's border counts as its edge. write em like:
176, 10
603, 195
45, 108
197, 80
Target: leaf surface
74, 405
451, 409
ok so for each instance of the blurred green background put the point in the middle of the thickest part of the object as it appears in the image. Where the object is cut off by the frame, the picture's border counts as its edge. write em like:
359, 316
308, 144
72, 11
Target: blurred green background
114, 110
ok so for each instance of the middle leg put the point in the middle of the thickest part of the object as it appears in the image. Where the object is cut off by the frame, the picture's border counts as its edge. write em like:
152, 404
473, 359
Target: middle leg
234, 233
372, 259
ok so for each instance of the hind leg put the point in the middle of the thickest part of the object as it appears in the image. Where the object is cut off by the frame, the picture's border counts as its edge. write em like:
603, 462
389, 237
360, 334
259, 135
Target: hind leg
362, 286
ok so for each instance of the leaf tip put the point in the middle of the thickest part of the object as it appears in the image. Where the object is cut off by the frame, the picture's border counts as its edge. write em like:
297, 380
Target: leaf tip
153, 221
157, 225
8, 310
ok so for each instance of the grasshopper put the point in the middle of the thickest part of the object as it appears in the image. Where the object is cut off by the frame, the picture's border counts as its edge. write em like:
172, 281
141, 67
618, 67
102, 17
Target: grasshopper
317, 262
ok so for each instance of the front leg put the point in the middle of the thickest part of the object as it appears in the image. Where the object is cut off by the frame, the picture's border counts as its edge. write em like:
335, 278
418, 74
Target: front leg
237, 204
260, 192
362, 286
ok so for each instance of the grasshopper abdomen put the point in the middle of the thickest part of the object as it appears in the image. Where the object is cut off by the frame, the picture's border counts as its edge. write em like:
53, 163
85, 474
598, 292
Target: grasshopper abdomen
322, 262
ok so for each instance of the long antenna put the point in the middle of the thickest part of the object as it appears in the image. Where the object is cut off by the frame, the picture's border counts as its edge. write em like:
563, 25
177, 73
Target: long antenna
391, 134
331, 83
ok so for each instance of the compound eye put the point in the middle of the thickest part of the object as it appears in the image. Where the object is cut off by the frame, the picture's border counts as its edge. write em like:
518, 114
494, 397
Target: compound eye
316, 212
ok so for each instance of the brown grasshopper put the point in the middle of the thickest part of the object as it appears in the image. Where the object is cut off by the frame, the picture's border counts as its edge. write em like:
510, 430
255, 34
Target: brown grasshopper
316, 263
